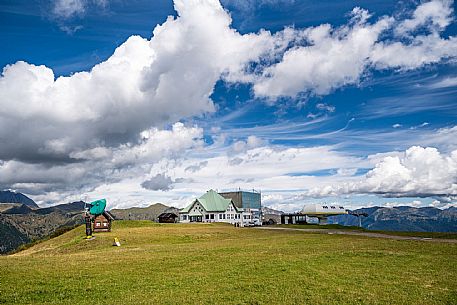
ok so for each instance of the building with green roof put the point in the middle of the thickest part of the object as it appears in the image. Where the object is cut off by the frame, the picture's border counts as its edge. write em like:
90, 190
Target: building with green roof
212, 207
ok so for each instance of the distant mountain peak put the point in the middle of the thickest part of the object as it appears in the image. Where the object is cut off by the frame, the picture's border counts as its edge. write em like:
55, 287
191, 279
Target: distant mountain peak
144, 213
16, 197
267, 210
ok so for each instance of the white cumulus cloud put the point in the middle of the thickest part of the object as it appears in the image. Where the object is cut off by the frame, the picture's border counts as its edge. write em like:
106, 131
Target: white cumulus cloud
100, 165
335, 57
417, 172
144, 83
436, 14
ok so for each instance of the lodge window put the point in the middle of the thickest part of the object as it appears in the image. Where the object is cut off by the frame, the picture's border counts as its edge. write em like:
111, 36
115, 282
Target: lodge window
212, 216
184, 217
207, 216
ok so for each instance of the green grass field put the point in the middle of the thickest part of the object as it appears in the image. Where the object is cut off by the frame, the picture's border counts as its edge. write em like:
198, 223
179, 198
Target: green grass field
216, 263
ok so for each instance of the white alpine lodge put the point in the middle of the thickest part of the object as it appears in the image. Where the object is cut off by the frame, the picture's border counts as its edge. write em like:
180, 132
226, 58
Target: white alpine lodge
213, 207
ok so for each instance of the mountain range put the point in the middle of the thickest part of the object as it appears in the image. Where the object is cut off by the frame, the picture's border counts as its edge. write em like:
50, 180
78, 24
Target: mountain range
151, 212
402, 218
20, 224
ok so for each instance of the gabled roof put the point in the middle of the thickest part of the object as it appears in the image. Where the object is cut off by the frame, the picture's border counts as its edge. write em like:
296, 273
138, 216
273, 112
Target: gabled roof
211, 202
107, 215
238, 209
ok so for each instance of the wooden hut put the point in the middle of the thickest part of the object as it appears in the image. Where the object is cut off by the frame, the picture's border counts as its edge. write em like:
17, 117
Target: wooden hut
102, 223
167, 218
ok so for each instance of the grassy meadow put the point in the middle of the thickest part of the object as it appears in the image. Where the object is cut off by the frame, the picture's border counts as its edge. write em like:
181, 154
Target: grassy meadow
217, 264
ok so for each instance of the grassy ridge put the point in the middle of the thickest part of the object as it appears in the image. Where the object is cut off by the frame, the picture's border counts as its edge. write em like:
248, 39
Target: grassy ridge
215, 263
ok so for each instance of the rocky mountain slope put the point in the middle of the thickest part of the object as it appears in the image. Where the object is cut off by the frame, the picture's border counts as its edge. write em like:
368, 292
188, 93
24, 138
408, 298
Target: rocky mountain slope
151, 212
267, 210
403, 218
20, 224
7, 197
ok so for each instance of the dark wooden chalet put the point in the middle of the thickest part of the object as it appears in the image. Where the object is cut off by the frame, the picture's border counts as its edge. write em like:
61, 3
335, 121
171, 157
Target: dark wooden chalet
102, 223
168, 218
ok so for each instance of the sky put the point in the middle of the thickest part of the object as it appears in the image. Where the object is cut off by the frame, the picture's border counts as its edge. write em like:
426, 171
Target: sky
348, 102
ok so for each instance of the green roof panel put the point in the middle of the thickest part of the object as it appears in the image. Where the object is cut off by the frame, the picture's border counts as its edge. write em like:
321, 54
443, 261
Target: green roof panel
211, 202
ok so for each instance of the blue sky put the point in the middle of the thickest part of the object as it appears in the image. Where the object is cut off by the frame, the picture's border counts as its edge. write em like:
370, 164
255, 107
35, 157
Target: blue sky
345, 101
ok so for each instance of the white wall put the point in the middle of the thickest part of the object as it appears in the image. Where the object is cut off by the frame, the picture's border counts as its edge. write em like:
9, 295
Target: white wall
229, 216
